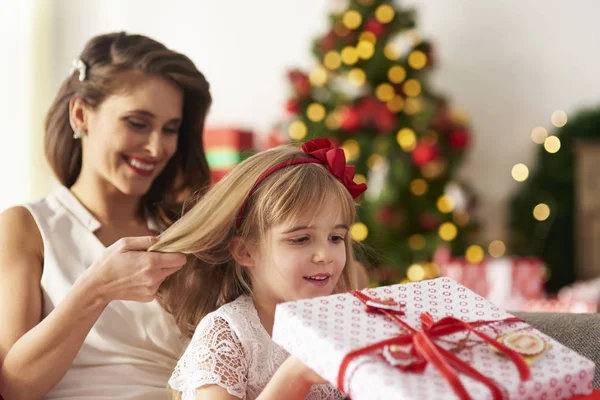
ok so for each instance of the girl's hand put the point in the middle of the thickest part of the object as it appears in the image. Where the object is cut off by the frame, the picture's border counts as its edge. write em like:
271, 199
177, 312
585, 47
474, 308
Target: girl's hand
305, 373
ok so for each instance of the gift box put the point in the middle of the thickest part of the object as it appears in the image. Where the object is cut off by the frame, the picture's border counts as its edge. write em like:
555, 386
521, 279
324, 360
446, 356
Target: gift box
225, 148
506, 281
432, 339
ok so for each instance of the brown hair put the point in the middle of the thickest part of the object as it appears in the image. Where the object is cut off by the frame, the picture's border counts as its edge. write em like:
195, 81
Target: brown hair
211, 276
110, 60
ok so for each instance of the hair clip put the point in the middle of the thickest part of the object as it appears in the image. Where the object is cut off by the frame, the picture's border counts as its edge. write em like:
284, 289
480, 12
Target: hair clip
79, 65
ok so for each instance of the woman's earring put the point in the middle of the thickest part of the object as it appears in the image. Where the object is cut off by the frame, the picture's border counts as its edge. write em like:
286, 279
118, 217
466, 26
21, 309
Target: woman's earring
78, 134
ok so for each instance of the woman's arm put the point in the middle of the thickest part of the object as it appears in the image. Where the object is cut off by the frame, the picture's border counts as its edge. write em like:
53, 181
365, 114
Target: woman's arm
35, 355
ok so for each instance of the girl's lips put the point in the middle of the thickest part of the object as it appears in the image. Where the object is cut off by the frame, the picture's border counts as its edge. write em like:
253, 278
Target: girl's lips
318, 280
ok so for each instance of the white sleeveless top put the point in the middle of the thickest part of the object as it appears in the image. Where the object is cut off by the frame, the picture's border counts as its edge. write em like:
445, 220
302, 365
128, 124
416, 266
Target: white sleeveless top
231, 348
132, 350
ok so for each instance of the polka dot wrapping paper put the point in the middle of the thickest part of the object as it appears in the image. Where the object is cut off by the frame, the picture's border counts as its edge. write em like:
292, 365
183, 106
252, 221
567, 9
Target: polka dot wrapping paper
322, 331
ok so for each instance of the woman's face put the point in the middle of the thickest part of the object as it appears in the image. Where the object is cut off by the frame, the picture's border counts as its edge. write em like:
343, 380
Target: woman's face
132, 135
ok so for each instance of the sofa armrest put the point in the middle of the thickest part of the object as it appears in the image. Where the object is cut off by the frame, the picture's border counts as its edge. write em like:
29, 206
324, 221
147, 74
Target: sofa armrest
580, 332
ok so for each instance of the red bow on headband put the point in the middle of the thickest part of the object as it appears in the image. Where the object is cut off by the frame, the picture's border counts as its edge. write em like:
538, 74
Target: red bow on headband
323, 152
334, 159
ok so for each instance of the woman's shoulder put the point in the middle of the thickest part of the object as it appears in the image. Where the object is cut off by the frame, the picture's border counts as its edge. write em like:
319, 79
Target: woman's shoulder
18, 226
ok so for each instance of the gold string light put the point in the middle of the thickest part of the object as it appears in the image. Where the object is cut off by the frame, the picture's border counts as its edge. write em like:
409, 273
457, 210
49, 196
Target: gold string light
541, 212
315, 112
352, 19
418, 187
520, 172
368, 37
412, 87
407, 139
351, 149
474, 254
357, 76
365, 49
359, 231
447, 231
297, 130
332, 60
539, 134
417, 60
391, 52
445, 204
416, 242
552, 144
385, 92
358, 178
396, 74
497, 248
559, 118
384, 13
415, 272
349, 55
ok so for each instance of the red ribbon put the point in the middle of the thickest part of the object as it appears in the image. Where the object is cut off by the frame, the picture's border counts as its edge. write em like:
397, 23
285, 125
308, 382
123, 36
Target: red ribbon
425, 350
334, 159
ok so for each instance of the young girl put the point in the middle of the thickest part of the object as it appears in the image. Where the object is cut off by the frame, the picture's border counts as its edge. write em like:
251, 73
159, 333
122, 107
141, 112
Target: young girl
274, 230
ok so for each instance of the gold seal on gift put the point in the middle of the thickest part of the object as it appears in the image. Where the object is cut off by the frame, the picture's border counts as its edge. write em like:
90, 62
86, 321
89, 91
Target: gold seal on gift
525, 343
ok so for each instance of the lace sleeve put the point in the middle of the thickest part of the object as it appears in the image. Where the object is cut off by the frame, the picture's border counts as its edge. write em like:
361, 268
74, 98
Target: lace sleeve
214, 356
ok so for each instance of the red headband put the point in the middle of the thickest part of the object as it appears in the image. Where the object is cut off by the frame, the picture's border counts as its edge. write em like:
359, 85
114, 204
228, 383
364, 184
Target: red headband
323, 152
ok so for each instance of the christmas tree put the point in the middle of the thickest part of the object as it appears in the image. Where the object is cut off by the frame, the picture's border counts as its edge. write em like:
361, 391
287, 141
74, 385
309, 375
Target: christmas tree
542, 210
369, 93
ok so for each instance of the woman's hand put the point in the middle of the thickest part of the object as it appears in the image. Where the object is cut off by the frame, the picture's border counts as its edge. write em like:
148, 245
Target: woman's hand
127, 271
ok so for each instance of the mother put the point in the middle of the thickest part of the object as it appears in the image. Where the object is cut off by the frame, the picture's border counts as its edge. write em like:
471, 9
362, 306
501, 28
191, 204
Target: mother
78, 315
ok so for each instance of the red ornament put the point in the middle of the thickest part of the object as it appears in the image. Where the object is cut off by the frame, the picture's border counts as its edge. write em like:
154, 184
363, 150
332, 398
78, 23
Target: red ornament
367, 109
300, 82
292, 106
375, 113
385, 215
328, 41
350, 118
385, 120
428, 222
375, 27
459, 138
424, 153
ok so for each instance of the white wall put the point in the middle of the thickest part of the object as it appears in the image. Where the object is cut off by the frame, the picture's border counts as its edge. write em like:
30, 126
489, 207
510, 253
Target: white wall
14, 138
25, 94
509, 63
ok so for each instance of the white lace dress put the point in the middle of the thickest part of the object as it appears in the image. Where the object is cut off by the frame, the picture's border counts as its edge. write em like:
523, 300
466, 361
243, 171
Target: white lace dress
231, 348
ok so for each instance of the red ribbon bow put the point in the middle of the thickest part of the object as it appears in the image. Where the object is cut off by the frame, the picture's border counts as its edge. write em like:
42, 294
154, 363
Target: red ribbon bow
425, 350
323, 152
334, 159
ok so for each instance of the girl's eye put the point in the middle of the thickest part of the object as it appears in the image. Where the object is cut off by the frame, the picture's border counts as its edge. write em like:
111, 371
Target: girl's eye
300, 240
337, 238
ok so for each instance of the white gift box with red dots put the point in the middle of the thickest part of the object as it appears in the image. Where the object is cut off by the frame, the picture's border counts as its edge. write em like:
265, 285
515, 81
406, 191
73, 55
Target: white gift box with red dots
322, 331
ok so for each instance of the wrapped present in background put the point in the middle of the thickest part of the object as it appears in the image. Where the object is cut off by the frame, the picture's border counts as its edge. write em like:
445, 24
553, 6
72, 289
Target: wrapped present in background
225, 148
432, 339
506, 281
558, 305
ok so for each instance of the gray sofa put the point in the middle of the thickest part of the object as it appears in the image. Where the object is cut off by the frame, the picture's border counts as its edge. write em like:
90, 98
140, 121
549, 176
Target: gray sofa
580, 332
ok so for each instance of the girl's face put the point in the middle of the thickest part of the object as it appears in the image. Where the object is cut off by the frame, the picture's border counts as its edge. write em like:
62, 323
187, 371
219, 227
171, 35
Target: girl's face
132, 135
301, 260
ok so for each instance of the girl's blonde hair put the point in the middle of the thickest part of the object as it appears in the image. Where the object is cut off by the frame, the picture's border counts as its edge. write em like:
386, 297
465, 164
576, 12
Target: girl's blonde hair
211, 276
